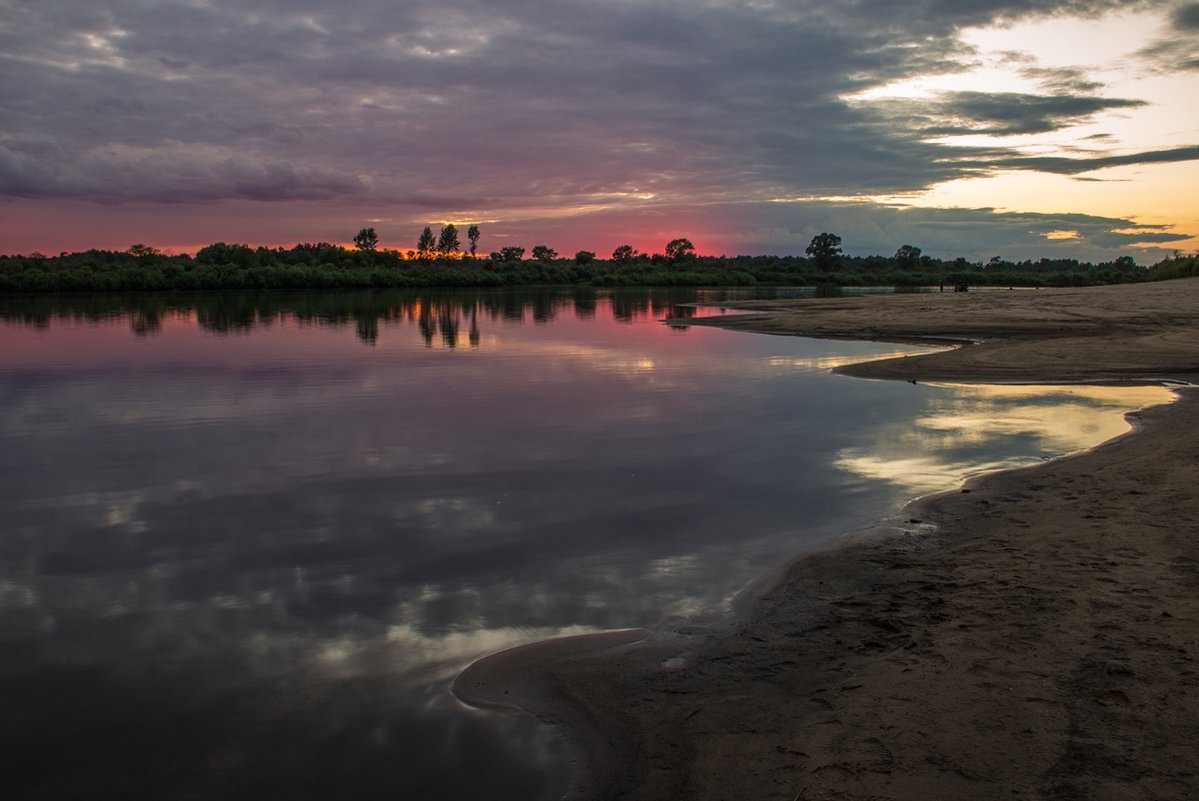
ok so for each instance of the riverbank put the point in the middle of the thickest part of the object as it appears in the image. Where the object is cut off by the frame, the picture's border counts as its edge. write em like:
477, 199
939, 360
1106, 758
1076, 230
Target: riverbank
1031, 635
323, 266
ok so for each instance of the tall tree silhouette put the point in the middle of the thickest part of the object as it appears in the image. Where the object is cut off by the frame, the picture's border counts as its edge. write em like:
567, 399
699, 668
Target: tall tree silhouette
908, 256
447, 242
426, 244
680, 249
366, 239
825, 250
473, 234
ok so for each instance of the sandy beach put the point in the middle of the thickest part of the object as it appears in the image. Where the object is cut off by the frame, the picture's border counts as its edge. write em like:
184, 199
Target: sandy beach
1030, 635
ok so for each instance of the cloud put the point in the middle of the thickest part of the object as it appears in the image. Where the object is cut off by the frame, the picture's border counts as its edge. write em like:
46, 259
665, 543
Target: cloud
1177, 51
999, 113
168, 173
1074, 166
732, 228
1186, 17
473, 109
1061, 80
866, 229
978, 234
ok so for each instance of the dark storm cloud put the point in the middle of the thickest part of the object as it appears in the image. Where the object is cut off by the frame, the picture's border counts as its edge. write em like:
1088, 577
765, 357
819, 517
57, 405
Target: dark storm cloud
1186, 18
470, 105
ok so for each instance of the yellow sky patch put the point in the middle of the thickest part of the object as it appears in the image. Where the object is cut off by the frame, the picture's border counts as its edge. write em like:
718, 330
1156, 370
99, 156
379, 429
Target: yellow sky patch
1020, 58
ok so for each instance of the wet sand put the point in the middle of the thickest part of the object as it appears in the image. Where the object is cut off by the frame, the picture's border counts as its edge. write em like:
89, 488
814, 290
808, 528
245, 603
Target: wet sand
1033, 634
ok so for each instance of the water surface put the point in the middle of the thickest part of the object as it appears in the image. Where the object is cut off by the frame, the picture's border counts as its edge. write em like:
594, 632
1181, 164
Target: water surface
249, 540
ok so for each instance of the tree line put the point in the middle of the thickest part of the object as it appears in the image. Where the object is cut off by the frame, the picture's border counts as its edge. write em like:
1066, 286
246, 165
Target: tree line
439, 260
446, 245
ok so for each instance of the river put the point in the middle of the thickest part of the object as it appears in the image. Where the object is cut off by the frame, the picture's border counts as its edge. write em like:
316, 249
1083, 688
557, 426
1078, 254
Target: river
249, 540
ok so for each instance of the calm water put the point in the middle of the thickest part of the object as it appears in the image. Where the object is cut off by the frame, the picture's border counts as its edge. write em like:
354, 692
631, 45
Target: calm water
248, 542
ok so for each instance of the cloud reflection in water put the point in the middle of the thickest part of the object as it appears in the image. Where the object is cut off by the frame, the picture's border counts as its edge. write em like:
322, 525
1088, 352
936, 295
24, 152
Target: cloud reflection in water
1011, 425
244, 559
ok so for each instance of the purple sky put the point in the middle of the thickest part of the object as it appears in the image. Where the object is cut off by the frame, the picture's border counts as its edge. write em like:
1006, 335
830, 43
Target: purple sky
573, 123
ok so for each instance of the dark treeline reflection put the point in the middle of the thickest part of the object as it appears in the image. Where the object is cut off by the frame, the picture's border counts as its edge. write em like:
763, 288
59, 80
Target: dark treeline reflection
440, 316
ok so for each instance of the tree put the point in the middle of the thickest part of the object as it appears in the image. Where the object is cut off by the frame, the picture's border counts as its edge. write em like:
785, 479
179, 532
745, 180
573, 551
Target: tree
544, 253
140, 251
366, 239
584, 257
907, 257
624, 253
680, 249
825, 250
472, 233
447, 242
509, 254
220, 253
426, 244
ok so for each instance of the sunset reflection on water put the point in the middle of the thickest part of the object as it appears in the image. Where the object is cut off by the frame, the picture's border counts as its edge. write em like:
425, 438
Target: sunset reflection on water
265, 533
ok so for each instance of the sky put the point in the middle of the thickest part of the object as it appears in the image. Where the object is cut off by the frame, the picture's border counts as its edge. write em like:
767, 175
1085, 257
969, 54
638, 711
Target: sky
972, 128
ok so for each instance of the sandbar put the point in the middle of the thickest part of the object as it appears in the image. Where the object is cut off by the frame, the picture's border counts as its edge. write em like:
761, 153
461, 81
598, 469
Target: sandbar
1032, 634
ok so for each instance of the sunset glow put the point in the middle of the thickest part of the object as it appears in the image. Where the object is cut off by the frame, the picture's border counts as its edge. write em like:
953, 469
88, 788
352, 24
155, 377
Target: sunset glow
1024, 129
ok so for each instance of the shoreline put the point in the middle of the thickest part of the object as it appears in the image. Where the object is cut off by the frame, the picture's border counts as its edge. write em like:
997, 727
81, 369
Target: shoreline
1031, 634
